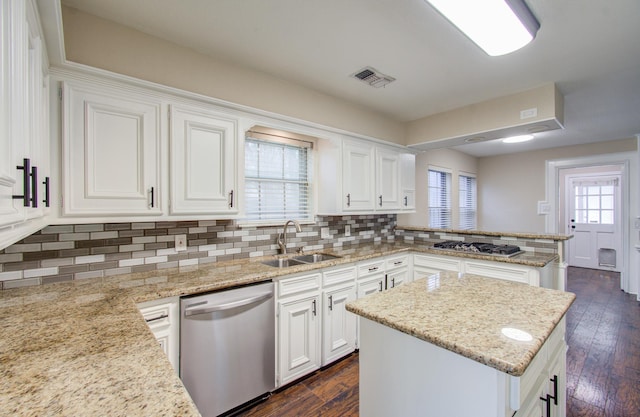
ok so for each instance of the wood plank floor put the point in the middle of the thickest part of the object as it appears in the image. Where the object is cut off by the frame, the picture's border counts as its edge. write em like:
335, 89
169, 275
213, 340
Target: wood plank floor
603, 362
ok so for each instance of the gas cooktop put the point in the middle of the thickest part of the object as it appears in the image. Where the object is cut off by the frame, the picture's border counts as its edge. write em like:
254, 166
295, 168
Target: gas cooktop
479, 247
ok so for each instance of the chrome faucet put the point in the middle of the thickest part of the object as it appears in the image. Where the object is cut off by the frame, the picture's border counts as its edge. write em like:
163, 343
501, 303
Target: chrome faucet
282, 237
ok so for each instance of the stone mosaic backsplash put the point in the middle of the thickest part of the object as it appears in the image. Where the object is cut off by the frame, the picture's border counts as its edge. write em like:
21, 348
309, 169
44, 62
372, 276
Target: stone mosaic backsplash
72, 252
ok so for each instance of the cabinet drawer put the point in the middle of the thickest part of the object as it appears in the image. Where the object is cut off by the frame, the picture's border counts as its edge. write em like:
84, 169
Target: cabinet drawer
339, 276
298, 284
400, 261
157, 316
370, 268
509, 273
439, 263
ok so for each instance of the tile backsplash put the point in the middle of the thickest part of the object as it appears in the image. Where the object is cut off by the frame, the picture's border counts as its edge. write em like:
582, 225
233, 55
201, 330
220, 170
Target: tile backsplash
72, 252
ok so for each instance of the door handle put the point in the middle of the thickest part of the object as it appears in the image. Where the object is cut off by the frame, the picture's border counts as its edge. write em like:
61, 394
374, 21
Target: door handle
349, 200
26, 172
192, 311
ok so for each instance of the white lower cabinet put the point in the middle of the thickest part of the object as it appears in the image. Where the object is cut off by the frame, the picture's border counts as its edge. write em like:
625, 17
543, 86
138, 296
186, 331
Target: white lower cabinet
338, 324
299, 326
163, 318
541, 391
509, 272
424, 265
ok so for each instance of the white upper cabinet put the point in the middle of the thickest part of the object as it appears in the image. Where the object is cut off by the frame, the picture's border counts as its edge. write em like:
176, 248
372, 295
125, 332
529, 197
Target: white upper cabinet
24, 121
408, 181
203, 155
387, 179
358, 176
110, 152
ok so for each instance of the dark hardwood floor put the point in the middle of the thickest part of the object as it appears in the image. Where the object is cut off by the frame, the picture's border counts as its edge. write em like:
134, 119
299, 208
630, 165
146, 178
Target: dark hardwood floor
603, 361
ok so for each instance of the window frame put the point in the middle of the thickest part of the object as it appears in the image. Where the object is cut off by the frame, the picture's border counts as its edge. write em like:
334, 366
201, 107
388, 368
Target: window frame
283, 141
447, 210
474, 199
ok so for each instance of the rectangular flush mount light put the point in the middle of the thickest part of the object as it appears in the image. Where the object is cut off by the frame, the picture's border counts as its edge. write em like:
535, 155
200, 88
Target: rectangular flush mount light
497, 26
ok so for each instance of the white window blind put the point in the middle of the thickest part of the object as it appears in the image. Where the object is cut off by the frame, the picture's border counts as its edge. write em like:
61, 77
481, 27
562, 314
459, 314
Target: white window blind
277, 180
439, 199
468, 202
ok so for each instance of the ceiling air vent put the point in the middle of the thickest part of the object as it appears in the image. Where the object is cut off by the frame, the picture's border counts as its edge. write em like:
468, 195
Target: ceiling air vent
372, 77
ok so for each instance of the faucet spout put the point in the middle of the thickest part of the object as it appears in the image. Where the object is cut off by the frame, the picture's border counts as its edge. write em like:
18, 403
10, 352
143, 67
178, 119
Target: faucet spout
282, 237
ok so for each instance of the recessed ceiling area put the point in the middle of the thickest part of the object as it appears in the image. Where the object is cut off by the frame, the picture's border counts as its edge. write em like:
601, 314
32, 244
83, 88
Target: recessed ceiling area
589, 49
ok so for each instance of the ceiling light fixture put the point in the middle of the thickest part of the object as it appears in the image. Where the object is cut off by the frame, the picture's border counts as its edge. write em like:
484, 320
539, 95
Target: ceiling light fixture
497, 26
517, 139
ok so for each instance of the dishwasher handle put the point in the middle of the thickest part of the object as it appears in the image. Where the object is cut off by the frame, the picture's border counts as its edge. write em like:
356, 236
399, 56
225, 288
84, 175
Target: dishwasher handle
192, 311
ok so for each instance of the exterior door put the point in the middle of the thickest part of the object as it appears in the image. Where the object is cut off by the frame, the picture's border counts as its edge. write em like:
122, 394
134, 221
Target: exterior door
595, 222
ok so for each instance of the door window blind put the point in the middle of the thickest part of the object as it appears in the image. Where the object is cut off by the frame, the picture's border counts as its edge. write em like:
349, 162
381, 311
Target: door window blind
439, 199
277, 180
468, 202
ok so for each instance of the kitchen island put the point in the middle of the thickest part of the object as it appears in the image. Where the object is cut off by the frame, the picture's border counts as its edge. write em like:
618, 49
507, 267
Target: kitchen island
462, 345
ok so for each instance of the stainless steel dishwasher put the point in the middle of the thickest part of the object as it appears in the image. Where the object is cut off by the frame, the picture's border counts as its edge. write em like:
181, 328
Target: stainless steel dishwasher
227, 347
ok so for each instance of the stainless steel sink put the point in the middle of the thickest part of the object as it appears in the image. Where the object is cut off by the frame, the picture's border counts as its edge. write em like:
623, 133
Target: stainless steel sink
315, 257
299, 260
283, 262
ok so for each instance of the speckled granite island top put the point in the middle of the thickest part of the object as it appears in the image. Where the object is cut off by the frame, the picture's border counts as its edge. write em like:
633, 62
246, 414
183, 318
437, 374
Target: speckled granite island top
466, 313
82, 348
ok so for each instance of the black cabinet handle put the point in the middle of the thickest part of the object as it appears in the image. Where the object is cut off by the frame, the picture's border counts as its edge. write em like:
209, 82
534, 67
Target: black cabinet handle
547, 400
393, 282
380, 200
231, 199
26, 172
313, 307
46, 200
349, 200
330, 302
34, 187
406, 201
152, 192
555, 390
380, 286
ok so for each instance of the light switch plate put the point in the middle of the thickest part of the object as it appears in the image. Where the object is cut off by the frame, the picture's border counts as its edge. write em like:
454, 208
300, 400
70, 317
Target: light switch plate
324, 233
347, 230
181, 243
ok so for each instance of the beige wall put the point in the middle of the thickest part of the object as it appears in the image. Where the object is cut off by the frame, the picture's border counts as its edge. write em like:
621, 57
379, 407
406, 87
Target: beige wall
103, 44
449, 159
510, 186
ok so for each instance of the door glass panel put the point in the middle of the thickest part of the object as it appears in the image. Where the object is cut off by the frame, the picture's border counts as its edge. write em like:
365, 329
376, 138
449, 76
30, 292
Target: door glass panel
594, 204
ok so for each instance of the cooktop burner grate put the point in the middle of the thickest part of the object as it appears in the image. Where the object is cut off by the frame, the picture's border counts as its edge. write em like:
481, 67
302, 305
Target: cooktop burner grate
479, 247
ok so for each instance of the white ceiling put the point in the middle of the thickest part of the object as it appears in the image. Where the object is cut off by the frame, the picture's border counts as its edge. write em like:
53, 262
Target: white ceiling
590, 48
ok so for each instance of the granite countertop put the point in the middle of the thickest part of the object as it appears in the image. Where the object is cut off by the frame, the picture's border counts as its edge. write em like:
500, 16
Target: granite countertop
523, 235
83, 348
466, 313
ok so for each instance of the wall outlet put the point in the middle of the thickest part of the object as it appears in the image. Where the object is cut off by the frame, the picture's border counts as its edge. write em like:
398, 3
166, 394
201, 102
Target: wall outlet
324, 233
528, 113
181, 243
347, 230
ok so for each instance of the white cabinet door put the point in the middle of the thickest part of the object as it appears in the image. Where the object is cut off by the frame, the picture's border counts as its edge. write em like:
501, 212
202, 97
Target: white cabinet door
358, 179
163, 318
299, 337
398, 277
339, 325
111, 144
408, 181
387, 179
24, 111
203, 162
